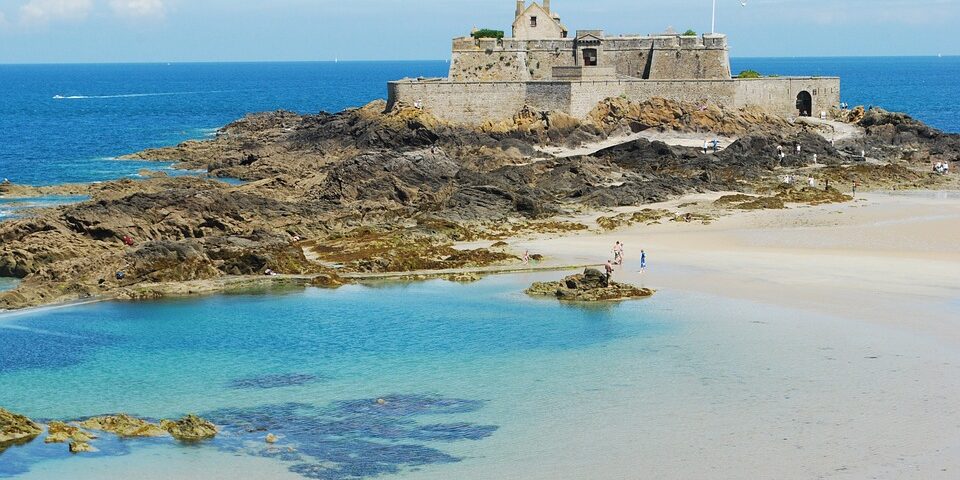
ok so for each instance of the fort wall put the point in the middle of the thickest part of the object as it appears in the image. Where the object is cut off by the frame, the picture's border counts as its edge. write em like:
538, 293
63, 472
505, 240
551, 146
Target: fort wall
476, 102
642, 57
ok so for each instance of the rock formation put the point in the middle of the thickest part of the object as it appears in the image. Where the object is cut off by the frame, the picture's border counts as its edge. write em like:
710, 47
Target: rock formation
590, 286
124, 426
371, 191
190, 428
59, 432
16, 429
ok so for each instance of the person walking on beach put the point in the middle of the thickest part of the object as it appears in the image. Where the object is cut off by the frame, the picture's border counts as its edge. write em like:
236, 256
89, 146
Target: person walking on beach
643, 261
705, 146
855, 185
618, 254
526, 257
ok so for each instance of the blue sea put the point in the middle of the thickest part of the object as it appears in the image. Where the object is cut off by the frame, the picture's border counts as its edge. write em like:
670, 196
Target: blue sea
67, 123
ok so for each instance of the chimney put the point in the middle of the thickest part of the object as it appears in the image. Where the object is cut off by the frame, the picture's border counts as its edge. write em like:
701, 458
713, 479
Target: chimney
521, 6
546, 5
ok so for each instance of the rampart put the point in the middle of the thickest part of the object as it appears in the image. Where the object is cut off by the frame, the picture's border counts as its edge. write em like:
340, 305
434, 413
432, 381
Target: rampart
477, 102
642, 57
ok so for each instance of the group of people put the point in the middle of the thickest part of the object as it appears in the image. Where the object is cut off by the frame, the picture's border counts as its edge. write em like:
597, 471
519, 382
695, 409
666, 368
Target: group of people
707, 145
943, 168
781, 152
618, 249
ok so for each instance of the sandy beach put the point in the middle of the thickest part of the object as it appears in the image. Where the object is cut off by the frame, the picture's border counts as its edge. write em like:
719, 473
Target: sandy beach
860, 364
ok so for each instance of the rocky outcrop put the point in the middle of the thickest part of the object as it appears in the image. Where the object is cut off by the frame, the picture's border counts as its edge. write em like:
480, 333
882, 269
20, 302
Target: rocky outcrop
81, 447
619, 113
590, 286
190, 428
124, 426
16, 429
59, 432
371, 191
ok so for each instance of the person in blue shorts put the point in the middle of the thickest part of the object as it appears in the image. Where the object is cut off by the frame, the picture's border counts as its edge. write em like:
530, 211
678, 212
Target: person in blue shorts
643, 261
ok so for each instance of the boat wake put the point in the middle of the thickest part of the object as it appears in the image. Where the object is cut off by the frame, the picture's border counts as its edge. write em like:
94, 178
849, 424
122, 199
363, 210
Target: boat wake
130, 95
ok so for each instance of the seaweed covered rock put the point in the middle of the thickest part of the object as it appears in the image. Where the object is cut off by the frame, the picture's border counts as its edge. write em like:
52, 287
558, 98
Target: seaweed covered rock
16, 428
590, 286
124, 425
190, 428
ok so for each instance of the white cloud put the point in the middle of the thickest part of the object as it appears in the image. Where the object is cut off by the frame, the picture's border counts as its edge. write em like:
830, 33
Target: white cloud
138, 8
44, 11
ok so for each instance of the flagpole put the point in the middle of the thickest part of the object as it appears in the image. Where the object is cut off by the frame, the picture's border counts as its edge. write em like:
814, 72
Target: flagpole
713, 19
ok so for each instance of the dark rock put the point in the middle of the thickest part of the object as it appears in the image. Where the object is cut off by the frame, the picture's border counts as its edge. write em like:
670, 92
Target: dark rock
590, 286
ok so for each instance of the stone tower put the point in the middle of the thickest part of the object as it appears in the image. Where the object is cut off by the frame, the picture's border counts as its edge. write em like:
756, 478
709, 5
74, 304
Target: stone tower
521, 6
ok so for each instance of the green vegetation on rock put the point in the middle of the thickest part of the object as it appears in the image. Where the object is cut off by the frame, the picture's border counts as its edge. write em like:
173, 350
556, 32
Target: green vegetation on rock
749, 74
690, 33
487, 33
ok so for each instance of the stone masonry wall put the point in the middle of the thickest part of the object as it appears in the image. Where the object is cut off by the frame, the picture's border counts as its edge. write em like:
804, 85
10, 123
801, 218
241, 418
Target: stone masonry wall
476, 102
655, 58
779, 95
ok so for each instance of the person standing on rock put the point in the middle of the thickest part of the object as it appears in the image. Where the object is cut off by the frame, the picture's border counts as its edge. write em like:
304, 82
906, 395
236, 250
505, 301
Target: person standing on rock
799, 148
608, 268
780, 151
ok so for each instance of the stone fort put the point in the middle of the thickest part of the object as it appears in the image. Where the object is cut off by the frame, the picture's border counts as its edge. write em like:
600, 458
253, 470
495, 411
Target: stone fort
544, 67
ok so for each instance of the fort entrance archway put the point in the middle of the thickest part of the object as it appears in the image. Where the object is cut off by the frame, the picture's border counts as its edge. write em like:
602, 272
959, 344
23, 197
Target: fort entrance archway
805, 103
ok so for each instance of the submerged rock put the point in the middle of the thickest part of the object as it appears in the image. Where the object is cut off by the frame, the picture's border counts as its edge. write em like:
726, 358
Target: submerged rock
590, 286
16, 428
190, 428
271, 438
124, 425
59, 432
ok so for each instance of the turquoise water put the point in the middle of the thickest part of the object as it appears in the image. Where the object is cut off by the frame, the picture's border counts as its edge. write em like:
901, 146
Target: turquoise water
305, 365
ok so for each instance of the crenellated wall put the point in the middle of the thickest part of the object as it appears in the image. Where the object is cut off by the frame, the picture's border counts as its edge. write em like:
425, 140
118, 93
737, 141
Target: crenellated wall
476, 102
643, 57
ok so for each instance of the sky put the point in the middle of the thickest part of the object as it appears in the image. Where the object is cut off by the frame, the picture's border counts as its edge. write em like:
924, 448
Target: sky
82, 31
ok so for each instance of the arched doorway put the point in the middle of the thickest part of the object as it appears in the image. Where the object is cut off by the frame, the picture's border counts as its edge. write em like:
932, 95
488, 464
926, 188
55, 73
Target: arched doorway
805, 104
